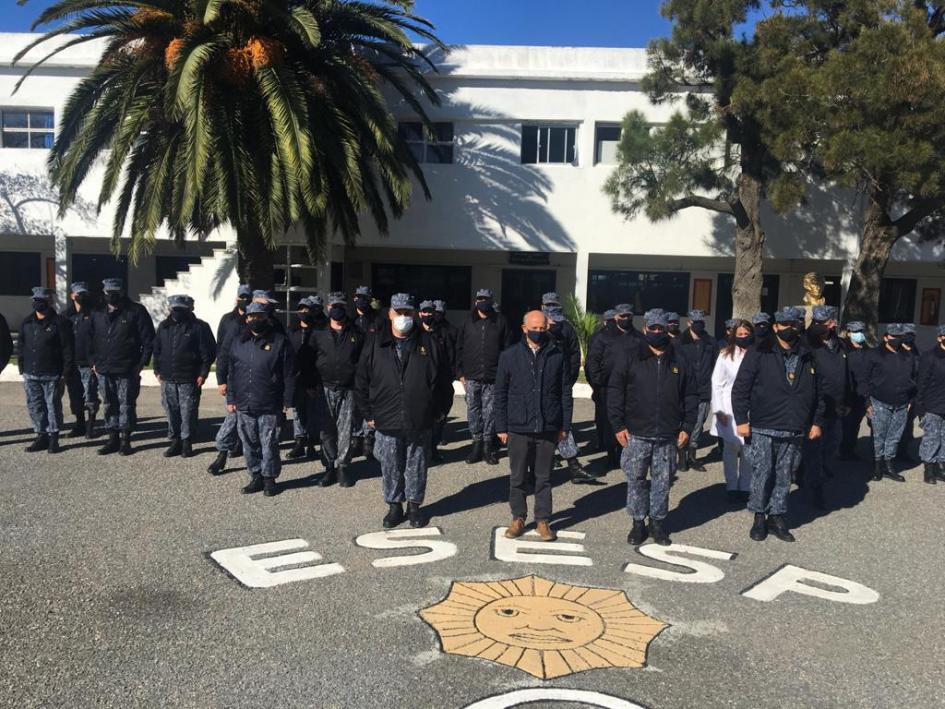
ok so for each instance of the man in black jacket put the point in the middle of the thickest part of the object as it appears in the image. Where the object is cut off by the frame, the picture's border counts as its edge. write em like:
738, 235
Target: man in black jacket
439, 329
402, 386
81, 382
777, 402
930, 406
597, 388
857, 350
889, 388
231, 326
652, 401
305, 424
335, 352
481, 339
45, 358
908, 434
761, 322
702, 352
261, 387
122, 337
533, 408
368, 321
183, 352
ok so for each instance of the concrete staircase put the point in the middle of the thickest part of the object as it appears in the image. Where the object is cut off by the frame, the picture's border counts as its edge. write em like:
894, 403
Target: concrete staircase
212, 284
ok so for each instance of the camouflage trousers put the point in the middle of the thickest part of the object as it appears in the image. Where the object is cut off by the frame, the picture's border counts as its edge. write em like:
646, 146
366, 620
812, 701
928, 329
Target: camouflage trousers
305, 423
260, 437
773, 459
44, 402
82, 385
648, 498
701, 415
228, 436
568, 448
121, 398
888, 424
336, 416
816, 455
480, 409
179, 400
932, 448
404, 458
440, 425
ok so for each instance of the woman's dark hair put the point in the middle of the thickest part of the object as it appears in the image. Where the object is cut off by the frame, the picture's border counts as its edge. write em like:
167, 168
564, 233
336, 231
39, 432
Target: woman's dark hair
729, 349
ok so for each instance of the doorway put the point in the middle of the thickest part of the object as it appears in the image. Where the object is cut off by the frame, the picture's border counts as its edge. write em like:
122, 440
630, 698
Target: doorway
522, 289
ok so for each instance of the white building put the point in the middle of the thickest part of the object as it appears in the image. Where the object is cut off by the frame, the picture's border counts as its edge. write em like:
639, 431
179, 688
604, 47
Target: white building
526, 139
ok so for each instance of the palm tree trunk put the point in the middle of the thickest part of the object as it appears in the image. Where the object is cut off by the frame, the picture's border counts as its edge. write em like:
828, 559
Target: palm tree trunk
256, 263
876, 244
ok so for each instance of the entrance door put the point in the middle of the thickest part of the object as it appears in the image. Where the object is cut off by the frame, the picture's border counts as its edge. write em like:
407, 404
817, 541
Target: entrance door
723, 303
522, 289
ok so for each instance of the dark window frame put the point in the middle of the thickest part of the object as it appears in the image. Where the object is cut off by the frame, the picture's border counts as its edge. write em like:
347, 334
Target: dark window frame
903, 309
424, 282
44, 135
430, 148
609, 287
20, 272
538, 138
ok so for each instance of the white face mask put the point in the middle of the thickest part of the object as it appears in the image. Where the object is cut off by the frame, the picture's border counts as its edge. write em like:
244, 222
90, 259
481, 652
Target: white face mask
403, 324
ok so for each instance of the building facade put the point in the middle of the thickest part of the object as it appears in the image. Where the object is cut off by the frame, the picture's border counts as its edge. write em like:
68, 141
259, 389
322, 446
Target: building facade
524, 140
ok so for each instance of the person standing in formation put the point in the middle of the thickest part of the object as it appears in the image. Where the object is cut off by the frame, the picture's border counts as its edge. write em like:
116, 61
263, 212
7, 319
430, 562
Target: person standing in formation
368, 322
930, 408
593, 372
857, 350
908, 434
307, 405
81, 381
702, 353
735, 464
434, 322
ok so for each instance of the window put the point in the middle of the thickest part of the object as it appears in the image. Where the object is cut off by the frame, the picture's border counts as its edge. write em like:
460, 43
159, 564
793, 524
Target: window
897, 300
19, 272
548, 144
94, 268
27, 129
427, 146
606, 140
450, 283
642, 289
166, 268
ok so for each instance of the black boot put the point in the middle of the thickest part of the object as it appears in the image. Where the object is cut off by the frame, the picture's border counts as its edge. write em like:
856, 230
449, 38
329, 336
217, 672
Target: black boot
238, 450
475, 453
345, 479
637, 533
78, 430
41, 443
683, 465
112, 446
255, 485
186, 448
488, 453
415, 516
54, 443
694, 463
890, 472
759, 530
125, 443
579, 476
90, 427
778, 527
328, 478
878, 470
174, 449
270, 487
929, 474
298, 450
357, 447
218, 465
939, 471
658, 533
394, 516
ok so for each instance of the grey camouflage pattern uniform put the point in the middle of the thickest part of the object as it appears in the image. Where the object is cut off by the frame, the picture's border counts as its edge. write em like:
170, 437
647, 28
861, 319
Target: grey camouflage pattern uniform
774, 455
121, 394
568, 448
480, 407
404, 459
932, 448
889, 422
336, 416
260, 437
180, 400
228, 436
44, 402
701, 415
648, 497
82, 384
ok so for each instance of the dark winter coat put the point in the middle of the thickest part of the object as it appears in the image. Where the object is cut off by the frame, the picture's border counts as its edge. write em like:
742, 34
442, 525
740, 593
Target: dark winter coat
122, 340
336, 355
45, 346
930, 398
533, 391
890, 376
183, 350
479, 343
262, 373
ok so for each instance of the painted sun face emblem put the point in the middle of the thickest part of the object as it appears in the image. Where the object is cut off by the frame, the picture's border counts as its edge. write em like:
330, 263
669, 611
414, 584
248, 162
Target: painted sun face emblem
545, 628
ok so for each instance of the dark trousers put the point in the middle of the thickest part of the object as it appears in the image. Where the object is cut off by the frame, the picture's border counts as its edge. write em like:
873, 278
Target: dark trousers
531, 451
851, 426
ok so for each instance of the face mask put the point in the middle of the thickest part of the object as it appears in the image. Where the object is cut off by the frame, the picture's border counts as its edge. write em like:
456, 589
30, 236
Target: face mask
858, 337
306, 316
440, 317
428, 319
403, 324
179, 315
789, 334
258, 327
624, 324
745, 342
485, 306
894, 342
362, 303
818, 330
337, 313
698, 327
673, 328
659, 340
241, 303
40, 305
555, 328
113, 297
762, 329
537, 336
909, 338
83, 299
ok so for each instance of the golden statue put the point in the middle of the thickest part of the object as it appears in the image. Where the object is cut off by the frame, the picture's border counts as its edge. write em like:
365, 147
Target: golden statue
813, 289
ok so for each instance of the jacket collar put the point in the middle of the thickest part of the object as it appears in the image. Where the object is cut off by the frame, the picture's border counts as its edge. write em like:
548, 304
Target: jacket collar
386, 338
474, 315
646, 352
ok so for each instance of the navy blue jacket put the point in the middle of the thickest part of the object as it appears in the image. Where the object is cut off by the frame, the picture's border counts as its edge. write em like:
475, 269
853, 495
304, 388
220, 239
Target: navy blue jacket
763, 396
231, 325
857, 365
300, 338
567, 340
479, 343
336, 355
834, 377
890, 376
601, 350
45, 346
122, 340
533, 391
82, 334
702, 354
183, 350
930, 398
262, 373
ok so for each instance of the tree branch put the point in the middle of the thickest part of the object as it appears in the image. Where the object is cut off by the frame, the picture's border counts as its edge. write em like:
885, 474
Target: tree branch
908, 221
694, 200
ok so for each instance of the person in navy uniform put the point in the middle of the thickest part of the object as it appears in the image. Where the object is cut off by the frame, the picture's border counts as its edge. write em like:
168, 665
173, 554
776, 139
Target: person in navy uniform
81, 382
368, 321
761, 322
909, 345
440, 329
702, 352
777, 402
305, 424
261, 389
856, 346
184, 350
930, 409
45, 346
597, 386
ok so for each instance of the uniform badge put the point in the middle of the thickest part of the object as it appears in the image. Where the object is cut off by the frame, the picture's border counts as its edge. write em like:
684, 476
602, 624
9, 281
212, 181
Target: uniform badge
423, 350
267, 347
675, 370
791, 376
352, 338
812, 371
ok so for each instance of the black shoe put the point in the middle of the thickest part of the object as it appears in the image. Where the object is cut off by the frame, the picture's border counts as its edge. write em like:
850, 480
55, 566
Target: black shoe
817, 498
78, 430
694, 463
255, 485
54, 443
579, 476
113, 445
878, 470
890, 472
125, 443
270, 487
218, 465
929, 474
345, 479
778, 527
186, 448
415, 516
488, 453
658, 533
90, 427
394, 516
310, 453
939, 470
41, 443
298, 450
683, 464
238, 451
759, 530
475, 453
328, 478
174, 449
637, 533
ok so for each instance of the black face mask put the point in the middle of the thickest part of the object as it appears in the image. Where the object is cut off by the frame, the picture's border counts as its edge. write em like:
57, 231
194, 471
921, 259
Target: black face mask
259, 327
243, 302
698, 327
818, 330
40, 305
179, 315
486, 306
909, 338
362, 303
539, 337
306, 316
625, 324
673, 328
762, 329
112, 297
83, 299
789, 335
428, 319
659, 340
337, 313
894, 342
746, 341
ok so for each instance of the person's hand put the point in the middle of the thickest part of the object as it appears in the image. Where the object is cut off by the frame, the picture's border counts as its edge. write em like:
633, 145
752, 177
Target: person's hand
562, 435
909, 407
814, 433
682, 439
222, 389
200, 381
504, 437
371, 423
231, 408
462, 380
743, 430
869, 411
623, 438
723, 419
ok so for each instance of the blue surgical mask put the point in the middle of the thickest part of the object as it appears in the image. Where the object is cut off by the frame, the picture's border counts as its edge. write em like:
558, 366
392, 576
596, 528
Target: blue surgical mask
858, 337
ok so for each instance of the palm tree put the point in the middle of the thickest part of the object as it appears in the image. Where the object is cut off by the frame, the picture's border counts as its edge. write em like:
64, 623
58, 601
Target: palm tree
261, 114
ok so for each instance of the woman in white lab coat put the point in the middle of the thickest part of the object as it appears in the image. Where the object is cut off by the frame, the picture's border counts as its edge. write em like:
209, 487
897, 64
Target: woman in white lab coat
737, 467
